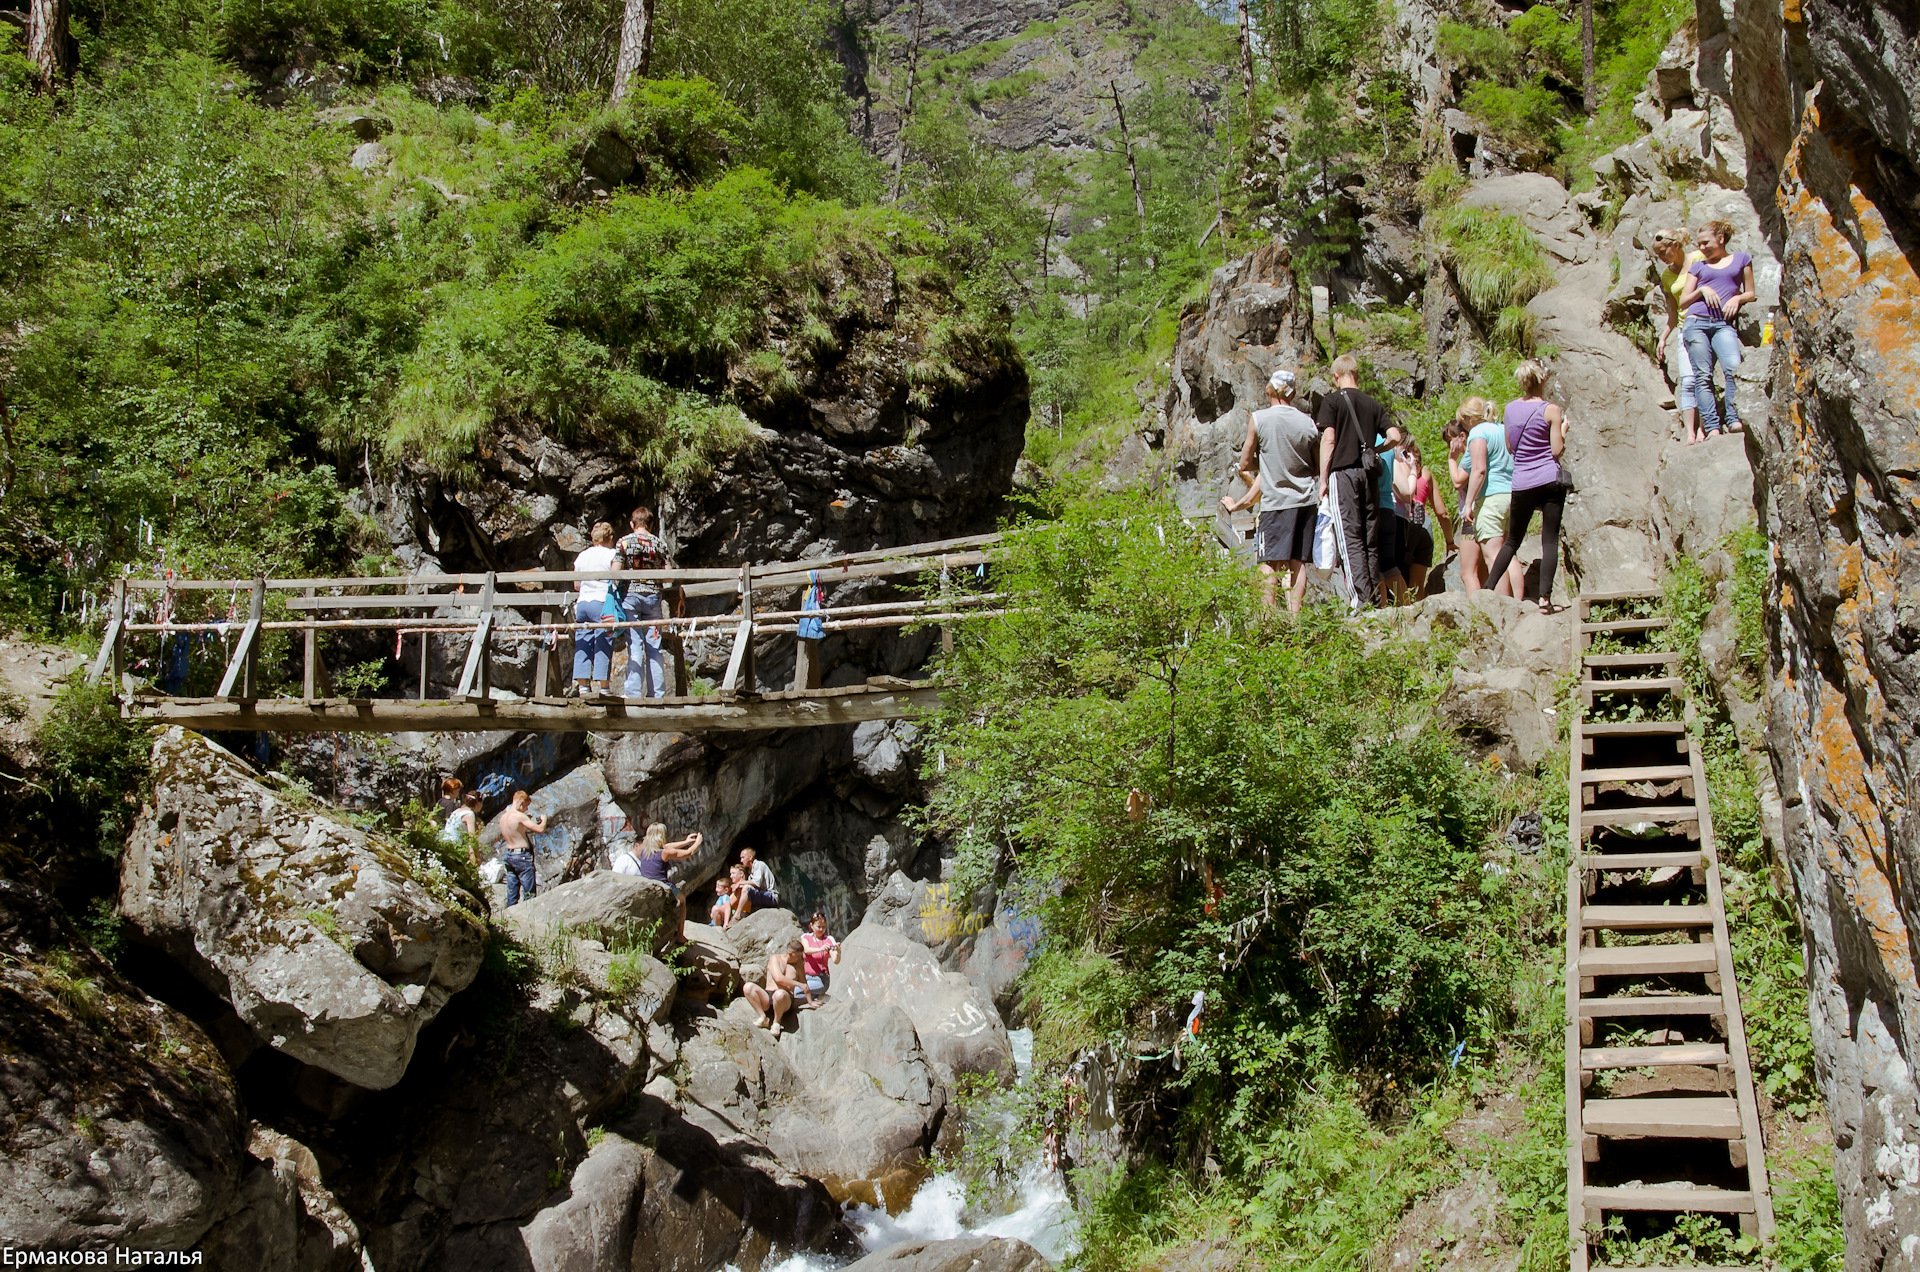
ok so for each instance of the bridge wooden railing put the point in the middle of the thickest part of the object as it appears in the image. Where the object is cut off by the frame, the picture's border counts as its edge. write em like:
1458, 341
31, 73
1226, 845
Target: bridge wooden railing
489, 608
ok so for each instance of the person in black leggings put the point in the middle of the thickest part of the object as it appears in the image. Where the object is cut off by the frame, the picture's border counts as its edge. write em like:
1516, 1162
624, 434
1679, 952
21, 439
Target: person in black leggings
1537, 437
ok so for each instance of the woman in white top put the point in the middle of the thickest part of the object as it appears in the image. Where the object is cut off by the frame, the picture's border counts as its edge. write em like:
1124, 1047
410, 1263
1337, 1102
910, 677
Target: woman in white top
593, 647
463, 823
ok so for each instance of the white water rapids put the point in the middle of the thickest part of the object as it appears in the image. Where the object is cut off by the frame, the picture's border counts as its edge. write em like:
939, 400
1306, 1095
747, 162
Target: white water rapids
1044, 1219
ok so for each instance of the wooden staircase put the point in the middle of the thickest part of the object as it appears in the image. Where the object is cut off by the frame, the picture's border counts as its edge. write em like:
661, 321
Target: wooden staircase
1651, 997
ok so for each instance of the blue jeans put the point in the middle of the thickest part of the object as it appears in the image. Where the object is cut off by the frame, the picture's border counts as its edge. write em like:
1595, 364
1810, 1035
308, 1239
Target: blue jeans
592, 646
1708, 341
646, 665
521, 879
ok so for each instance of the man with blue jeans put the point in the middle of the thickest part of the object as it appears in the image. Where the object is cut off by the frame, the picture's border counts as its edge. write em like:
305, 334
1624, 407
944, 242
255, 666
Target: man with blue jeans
515, 826
646, 663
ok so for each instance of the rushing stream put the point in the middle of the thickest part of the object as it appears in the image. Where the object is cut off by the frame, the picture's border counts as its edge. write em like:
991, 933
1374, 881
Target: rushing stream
1044, 1218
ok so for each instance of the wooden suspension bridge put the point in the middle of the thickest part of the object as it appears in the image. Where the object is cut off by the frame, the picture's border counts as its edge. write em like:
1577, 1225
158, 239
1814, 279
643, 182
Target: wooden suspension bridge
1661, 1115
489, 609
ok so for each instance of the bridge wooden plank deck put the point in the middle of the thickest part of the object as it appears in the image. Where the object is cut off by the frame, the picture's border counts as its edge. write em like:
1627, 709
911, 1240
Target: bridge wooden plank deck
785, 709
483, 608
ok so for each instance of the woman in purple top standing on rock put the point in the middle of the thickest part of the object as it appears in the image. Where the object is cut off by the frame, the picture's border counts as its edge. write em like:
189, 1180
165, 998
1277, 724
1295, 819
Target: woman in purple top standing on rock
1715, 289
1536, 436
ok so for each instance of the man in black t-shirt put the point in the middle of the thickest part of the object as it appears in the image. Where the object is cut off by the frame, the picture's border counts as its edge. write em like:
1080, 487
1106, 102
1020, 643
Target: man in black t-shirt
1349, 419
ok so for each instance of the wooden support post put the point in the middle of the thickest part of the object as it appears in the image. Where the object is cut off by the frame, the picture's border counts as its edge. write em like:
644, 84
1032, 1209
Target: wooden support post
310, 670
542, 662
476, 679
256, 612
423, 666
243, 668
740, 664
110, 656
676, 645
806, 663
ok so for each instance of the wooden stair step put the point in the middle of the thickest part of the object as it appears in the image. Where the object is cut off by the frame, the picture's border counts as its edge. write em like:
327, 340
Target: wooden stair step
1648, 960
1645, 773
1645, 918
1590, 817
1668, 1198
1690, 858
1632, 728
1689, 1117
1653, 1005
1625, 625
1645, 658
1639, 684
1703, 1053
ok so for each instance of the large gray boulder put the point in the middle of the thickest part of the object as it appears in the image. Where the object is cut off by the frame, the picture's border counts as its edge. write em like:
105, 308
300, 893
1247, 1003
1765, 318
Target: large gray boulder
989, 951
846, 1095
1503, 697
758, 935
601, 902
962, 1254
334, 945
119, 1122
955, 1019
288, 1219
863, 1122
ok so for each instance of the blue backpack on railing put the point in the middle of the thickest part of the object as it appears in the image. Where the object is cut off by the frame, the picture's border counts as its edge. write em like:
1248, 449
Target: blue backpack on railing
815, 598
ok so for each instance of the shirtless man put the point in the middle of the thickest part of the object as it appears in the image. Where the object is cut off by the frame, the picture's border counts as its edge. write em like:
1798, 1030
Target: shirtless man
515, 825
785, 981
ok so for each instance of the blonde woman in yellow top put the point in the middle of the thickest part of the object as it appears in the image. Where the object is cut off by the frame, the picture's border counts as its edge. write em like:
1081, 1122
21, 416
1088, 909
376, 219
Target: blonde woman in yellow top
1670, 251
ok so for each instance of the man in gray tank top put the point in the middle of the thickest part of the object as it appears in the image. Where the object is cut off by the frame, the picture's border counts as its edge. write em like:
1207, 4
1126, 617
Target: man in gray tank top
1281, 462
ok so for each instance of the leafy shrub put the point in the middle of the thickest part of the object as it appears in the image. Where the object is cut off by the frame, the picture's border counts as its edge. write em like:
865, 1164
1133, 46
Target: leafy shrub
1525, 119
94, 764
1494, 256
1288, 766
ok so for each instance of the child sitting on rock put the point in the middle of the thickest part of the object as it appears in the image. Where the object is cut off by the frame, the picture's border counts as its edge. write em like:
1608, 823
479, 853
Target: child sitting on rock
785, 982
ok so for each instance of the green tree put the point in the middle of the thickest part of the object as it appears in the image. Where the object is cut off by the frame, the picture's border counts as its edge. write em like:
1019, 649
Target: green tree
1137, 732
1314, 211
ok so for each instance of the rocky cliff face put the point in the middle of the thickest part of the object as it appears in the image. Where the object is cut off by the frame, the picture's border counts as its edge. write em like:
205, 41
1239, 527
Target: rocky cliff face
1825, 101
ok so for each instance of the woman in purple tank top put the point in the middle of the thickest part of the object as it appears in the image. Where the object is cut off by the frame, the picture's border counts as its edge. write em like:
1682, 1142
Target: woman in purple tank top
1536, 437
1715, 289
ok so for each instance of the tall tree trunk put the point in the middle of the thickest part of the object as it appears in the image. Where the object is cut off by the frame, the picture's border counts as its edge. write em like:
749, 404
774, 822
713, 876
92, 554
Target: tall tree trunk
636, 46
1133, 170
48, 43
1246, 69
906, 105
1586, 55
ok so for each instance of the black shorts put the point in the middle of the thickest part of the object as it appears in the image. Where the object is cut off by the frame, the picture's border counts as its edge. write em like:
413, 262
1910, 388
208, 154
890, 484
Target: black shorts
1419, 547
1287, 535
1387, 539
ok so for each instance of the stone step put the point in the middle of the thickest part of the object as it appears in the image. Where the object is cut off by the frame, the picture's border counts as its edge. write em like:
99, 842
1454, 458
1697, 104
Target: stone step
1702, 1053
1645, 918
1690, 1117
1668, 1198
1648, 960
